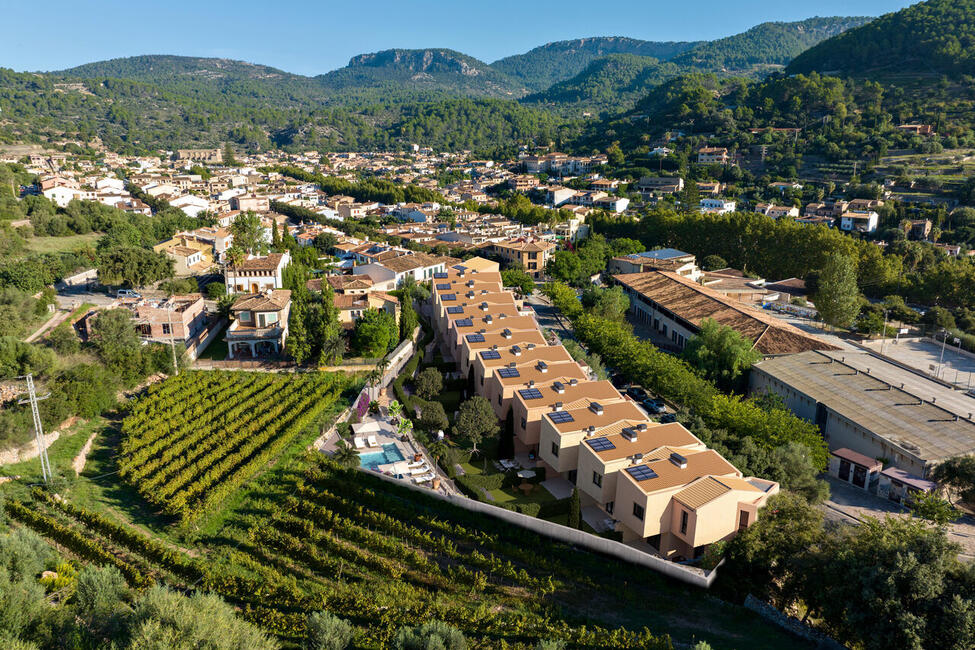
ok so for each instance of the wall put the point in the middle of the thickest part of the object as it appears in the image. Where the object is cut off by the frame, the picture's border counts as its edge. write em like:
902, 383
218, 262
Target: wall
791, 624
594, 543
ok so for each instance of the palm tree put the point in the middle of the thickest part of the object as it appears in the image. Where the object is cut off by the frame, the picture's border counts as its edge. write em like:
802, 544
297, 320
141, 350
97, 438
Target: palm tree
345, 455
235, 257
332, 350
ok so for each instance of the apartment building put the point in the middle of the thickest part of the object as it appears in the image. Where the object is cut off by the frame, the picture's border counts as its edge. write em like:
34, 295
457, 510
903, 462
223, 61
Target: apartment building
532, 253
562, 431
713, 155
664, 259
683, 502
469, 349
484, 325
534, 365
556, 395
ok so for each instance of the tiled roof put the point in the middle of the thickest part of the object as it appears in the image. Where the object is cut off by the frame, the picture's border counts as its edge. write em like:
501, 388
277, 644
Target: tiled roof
275, 300
268, 263
694, 303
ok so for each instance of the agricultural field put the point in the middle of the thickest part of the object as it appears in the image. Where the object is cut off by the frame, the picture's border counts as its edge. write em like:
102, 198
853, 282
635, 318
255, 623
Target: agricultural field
291, 532
195, 439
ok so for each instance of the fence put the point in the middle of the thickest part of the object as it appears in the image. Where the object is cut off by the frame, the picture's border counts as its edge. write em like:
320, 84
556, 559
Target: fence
690, 575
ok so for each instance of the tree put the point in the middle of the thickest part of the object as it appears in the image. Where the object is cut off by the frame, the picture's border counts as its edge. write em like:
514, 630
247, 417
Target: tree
837, 297
115, 339
216, 290
433, 417
957, 477
249, 233
132, 266
476, 421
713, 263
932, 507
325, 242
326, 631
375, 333
408, 320
721, 354
299, 345
575, 511
519, 280
345, 454
565, 266
614, 156
609, 303
228, 155
433, 635
429, 383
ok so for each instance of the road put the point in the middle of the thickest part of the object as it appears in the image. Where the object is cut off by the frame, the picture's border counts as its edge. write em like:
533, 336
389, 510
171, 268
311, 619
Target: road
548, 316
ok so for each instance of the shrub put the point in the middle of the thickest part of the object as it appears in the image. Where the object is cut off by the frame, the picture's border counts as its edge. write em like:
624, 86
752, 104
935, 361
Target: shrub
434, 635
327, 632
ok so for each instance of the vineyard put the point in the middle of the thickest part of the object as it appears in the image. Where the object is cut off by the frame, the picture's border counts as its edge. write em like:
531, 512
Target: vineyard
307, 535
193, 440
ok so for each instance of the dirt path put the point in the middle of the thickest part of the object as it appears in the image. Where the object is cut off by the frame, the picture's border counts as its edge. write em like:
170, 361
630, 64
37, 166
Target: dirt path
78, 464
53, 322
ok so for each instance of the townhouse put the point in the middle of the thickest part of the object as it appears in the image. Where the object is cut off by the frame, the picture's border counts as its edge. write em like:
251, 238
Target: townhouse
531, 253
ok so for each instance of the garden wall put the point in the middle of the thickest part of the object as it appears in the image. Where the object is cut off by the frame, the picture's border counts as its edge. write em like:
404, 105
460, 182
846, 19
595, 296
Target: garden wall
691, 576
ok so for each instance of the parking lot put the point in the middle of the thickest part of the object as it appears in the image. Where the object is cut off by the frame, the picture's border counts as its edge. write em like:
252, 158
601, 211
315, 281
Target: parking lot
925, 354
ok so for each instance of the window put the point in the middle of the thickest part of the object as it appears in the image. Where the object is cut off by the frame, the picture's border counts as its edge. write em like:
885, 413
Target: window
524, 423
609, 507
245, 317
533, 256
499, 398
638, 511
597, 479
742, 520
555, 449
683, 522
533, 265
167, 329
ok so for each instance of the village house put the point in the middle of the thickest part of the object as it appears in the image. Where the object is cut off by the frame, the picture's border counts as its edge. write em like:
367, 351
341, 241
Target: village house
259, 326
258, 274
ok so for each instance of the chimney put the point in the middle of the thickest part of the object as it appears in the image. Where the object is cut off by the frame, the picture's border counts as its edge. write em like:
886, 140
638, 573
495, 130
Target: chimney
512, 364
558, 406
484, 306
542, 367
559, 387
506, 333
596, 408
642, 426
531, 346
678, 460
630, 434
531, 383
573, 382
515, 350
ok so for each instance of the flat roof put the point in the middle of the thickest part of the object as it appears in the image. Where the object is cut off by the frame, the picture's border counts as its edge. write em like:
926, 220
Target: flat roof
668, 475
913, 423
562, 371
518, 337
527, 357
573, 397
655, 437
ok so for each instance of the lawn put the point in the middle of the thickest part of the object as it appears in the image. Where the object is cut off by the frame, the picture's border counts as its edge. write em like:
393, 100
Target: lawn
62, 244
60, 453
216, 351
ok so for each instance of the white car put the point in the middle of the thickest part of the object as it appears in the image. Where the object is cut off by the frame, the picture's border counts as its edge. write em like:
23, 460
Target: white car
127, 293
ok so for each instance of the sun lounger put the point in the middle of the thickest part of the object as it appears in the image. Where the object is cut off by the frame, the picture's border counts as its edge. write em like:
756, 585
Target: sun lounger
359, 443
372, 441
424, 478
422, 469
417, 463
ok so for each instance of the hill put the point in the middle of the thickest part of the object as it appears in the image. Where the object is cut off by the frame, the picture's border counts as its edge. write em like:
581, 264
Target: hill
768, 44
424, 71
930, 38
155, 67
608, 82
548, 64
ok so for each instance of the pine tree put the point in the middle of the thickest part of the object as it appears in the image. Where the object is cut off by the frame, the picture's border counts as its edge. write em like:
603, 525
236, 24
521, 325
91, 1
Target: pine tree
575, 510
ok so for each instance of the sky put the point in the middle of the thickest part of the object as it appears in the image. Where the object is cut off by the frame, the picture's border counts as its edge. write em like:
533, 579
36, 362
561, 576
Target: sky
308, 37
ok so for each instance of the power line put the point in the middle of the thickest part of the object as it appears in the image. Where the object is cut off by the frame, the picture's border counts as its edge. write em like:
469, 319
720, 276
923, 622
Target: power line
33, 399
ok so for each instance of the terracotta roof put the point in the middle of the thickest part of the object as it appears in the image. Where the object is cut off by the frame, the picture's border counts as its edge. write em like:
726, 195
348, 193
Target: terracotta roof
656, 437
270, 262
404, 263
694, 303
573, 397
612, 413
518, 337
669, 475
563, 371
275, 300
548, 353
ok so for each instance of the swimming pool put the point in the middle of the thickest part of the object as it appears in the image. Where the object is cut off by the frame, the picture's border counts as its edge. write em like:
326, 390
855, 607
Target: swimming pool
389, 454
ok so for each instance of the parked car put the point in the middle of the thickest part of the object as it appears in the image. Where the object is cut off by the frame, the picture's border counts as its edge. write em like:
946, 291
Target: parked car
654, 405
639, 393
127, 293
666, 418
618, 381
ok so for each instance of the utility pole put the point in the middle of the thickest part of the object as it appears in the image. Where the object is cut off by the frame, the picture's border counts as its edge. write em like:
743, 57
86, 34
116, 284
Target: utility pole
33, 399
883, 333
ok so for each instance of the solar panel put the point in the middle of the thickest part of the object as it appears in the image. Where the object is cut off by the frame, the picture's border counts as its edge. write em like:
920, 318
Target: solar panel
601, 444
449, 296
465, 322
508, 373
475, 338
439, 275
641, 472
530, 393
456, 309
561, 417
445, 286
489, 354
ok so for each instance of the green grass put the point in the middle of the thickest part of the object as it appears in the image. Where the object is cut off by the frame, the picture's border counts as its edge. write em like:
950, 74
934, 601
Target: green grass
216, 351
60, 454
62, 244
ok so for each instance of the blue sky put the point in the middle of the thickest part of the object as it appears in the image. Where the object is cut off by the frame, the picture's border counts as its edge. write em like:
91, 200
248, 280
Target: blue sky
308, 37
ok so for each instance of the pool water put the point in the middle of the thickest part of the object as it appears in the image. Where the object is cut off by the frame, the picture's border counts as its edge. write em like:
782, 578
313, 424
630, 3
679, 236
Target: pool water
389, 454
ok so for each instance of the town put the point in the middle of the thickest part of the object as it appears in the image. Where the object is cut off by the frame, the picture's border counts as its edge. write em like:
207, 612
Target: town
430, 353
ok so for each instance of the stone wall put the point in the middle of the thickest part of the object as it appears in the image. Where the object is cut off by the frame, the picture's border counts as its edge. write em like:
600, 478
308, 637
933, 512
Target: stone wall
791, 624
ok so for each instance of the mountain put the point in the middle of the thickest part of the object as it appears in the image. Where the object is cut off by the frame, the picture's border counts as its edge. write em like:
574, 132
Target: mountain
423, 71
768, 44
156, 67
609, 82
554, 62
930, 38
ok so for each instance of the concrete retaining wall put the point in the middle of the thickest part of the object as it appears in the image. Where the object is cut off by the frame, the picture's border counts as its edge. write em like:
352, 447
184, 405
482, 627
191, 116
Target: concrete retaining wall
28, 451
691, 576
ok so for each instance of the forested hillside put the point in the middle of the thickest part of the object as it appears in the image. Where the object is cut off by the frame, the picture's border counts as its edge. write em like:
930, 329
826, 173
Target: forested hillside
609, 82
551, 63
930, 38
768, 44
